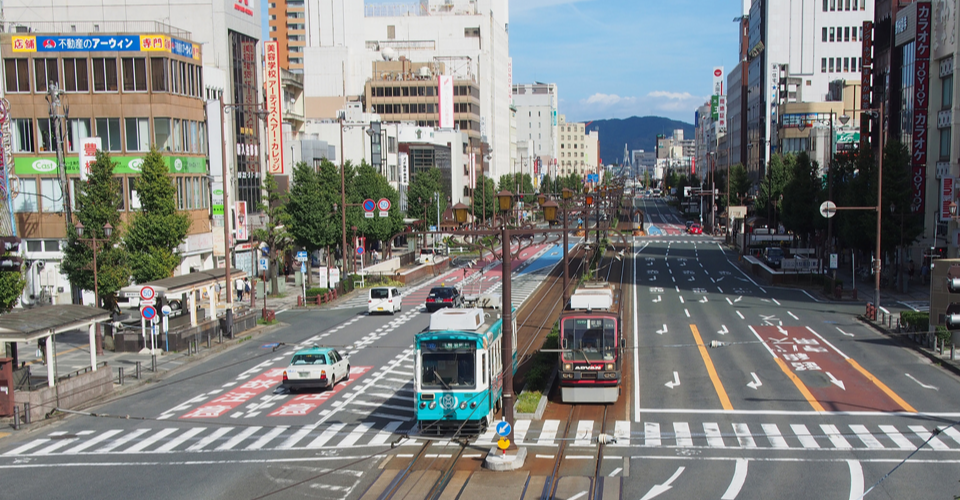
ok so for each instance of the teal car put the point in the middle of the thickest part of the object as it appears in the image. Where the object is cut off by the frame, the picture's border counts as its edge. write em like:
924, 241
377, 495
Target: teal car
315, 368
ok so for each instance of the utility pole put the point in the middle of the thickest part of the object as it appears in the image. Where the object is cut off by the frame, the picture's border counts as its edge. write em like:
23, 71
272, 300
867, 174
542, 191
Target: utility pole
58, 117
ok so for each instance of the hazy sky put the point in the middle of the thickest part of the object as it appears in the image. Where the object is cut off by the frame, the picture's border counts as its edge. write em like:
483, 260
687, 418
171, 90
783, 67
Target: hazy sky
620, 58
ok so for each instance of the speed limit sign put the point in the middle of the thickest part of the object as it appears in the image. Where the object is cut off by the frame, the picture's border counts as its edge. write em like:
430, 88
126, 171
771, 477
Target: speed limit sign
147, 293
383, 204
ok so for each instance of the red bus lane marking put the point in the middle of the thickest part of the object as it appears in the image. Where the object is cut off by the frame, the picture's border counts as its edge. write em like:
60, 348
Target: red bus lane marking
247, 391
826, 372
306, 403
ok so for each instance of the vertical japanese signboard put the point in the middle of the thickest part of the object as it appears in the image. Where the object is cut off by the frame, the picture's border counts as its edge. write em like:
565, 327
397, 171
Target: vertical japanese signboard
473, 170
921, 103
948, 193
718, 80
445, 92
88, 155
866, 80
241, 222
722, 114
274, 96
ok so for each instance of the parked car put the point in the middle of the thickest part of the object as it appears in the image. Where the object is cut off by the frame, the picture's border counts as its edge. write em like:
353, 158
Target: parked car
384, 299
773, 256
695, 229
443, 296
315, 368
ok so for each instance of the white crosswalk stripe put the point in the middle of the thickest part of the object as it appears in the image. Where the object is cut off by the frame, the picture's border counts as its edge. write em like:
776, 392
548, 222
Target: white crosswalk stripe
379, 433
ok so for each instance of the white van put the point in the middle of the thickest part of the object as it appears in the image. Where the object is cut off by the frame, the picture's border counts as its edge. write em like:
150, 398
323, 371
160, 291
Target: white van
428, 256
384, 299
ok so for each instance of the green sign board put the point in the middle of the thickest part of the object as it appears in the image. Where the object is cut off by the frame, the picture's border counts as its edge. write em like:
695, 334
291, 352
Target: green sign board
124, 165
848, 137
714, 105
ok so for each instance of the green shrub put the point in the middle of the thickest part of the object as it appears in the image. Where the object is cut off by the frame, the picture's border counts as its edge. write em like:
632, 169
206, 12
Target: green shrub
313, 292
943, 334
919, 321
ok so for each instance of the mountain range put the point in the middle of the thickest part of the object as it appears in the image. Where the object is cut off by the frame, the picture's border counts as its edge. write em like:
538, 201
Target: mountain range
637, 132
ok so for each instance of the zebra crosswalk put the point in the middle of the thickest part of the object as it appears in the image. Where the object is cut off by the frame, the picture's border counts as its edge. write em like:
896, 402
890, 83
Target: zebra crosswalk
546, 433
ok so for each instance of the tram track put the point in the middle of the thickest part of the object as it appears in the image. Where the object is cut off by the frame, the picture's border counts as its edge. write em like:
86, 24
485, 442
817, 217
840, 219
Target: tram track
397, 488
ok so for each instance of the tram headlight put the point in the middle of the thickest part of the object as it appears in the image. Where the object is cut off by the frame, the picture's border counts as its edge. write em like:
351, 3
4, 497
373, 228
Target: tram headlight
609, 366
610, 375
567, 367
433, 405
463, 405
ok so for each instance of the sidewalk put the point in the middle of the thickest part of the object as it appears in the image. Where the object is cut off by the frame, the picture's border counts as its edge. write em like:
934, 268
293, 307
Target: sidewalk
924, 343
917, 296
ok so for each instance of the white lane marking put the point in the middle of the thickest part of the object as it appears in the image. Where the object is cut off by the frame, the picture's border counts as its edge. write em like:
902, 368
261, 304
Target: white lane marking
864, 435
712, 432
843, 332
584, 433
26, 447
729, 301
93, 442
687, 312
741, 315
621, 432
615, 471
775, 302
636, 341
794, 316
355, 435
832, 433
578, 495
825, 341
682, 432
217, 434
925, 386
297, 436
856, 479
898, 439
122, 441
924, 434
173, 443
549, 432
773, 434
736, 483
681, 300
744, 437
235, 440
806, 439
266, 438
651, 434
659, 489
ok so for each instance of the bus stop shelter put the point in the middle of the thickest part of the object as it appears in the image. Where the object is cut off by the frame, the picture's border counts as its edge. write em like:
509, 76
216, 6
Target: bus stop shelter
43, 323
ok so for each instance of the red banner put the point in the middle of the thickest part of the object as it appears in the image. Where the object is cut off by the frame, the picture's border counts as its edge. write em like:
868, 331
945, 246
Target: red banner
921, 102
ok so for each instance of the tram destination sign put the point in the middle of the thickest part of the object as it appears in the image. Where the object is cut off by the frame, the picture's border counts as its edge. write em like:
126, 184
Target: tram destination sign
448, 345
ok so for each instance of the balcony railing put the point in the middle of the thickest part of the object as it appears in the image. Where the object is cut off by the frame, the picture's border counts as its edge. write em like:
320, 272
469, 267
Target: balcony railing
68, 27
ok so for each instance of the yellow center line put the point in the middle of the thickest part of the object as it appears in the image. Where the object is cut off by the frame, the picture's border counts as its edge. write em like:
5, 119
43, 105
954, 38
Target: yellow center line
883, 387
4, 434
717, 385
799, 383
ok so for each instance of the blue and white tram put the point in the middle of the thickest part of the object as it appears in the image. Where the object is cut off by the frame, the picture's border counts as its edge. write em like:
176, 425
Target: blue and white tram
458, 372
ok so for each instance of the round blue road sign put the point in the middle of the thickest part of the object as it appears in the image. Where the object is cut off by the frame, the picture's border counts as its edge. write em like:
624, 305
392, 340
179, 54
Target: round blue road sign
503, 428
359, 250
369, 205
148, 312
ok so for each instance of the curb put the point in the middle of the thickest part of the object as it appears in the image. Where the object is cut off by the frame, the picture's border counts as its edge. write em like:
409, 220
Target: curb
932, 356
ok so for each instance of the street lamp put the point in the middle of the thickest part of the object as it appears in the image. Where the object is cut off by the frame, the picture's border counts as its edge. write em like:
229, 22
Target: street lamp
95, 245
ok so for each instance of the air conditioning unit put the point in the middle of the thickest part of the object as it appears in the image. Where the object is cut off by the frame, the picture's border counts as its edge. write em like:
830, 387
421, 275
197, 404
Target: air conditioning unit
424, 72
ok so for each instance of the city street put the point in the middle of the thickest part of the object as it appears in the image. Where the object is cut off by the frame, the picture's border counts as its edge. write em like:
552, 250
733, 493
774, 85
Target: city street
729, 383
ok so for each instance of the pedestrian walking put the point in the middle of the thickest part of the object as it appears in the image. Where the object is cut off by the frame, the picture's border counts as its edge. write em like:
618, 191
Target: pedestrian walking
239, 285
924, 272
911, 268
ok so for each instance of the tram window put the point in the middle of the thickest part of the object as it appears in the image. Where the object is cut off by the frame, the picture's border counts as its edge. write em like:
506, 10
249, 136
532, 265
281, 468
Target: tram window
449, 370
589, 339
483, 362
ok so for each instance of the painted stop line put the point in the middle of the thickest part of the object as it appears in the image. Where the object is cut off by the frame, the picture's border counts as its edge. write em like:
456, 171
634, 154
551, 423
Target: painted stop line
828, 378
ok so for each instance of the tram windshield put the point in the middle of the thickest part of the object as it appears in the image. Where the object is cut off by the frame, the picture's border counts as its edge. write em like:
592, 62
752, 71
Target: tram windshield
589, 339
448, 365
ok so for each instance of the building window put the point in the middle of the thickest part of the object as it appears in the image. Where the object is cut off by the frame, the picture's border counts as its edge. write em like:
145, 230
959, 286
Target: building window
108, 130
853, 34
946, 92
823, 34
75, 77
846, 34
134, 74
824, 5
830, 65
51, 195
833, 4
134, 202
853, 64
162, 136
846, 5
46, 135
26, 201
45, 71
846, 64
22, 135
158, 74
18, 74
78, 129
945, 143
138, 134
104, 75
832, 33
823, 64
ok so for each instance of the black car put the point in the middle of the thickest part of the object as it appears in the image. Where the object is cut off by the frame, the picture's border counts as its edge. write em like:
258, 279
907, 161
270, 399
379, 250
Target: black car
443, 296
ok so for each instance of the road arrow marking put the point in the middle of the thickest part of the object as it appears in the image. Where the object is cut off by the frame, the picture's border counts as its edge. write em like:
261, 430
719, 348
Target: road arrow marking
781, 330
925, 386
676, 382
661, 332
723, 330
703, 300
652, 278
720, 279
833, 380
756, 381
738, 298
659, 489
658, 299
843, 332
